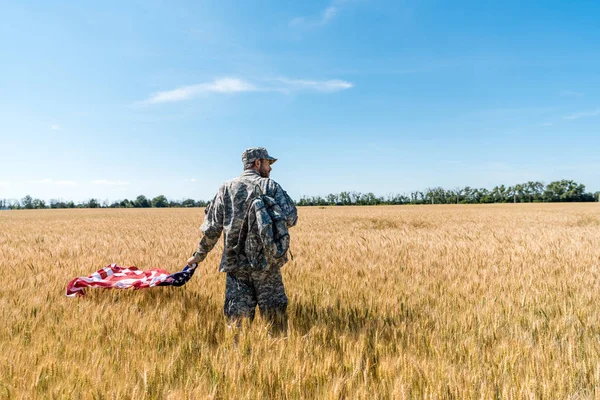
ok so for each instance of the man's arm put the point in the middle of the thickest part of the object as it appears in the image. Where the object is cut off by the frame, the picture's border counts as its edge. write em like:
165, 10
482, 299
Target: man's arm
211, 229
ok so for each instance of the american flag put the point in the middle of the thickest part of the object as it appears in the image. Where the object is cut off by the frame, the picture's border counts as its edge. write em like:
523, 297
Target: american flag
115, 277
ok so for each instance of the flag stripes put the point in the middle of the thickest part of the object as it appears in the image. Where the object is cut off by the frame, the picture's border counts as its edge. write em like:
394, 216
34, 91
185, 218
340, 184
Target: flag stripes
116, 277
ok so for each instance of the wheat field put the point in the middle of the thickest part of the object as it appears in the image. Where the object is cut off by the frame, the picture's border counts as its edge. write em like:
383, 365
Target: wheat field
463, 302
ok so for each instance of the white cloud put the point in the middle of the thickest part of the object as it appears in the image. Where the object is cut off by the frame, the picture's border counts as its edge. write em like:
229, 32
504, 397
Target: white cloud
333, 85
107, 182
190, 180
583, 114
55, 127
324, 17
49, 181
571, 93
328, 14
233, 85
4, 184
223, 85
296, 21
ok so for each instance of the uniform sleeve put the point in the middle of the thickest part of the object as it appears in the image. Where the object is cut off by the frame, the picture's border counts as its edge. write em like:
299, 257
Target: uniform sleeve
211, 228
287, 206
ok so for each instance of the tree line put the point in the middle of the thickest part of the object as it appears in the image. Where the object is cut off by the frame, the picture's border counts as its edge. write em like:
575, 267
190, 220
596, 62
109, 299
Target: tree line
530, 192
29, 203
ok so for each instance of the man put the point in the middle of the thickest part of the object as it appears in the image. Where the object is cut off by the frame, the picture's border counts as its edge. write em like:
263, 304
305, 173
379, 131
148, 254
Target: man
247, 286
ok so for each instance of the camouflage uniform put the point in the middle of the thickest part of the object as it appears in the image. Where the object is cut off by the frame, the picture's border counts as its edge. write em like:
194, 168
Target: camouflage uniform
246, 286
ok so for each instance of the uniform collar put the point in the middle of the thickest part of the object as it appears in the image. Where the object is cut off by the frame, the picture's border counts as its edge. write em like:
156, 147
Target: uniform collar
250, 173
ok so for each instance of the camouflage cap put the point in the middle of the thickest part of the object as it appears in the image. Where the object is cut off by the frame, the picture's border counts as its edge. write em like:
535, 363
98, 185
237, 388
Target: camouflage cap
256, 153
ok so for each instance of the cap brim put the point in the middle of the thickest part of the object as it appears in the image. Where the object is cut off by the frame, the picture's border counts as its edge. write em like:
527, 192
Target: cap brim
271, 159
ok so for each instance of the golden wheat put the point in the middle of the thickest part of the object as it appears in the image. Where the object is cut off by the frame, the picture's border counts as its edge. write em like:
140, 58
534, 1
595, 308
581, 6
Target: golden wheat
385, 302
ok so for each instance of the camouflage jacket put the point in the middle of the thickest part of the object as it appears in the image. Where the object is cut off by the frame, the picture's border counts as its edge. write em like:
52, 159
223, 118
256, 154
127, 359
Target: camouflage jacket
230, 210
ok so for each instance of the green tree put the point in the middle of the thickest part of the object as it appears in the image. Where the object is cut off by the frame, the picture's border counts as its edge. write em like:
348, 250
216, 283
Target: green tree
332, 199
345, 198
92, 203
564, 190
141, 202
511, 194
125, 204
429, 196
54, 203
355, 197
537, 189
485, 196
38, 204
160, 202
188, 203
457, 194
503, 191
518, 193
467, 193
528, 191
371, 199
27, 202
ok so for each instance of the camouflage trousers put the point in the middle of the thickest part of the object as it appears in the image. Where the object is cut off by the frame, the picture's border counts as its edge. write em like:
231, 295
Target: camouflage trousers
245, 289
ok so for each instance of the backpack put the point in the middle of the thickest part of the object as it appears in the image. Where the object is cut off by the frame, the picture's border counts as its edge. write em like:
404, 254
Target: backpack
264, 237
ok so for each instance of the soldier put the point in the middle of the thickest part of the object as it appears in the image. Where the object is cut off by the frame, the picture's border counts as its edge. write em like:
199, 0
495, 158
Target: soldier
247, 286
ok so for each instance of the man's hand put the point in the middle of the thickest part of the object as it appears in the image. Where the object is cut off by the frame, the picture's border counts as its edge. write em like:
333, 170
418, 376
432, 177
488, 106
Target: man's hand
191, 262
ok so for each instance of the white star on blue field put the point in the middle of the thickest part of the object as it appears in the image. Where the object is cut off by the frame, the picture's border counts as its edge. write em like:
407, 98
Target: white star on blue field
111, 99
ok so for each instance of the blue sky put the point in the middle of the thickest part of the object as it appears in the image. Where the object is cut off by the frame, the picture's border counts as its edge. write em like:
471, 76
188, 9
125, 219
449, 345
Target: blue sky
109, 101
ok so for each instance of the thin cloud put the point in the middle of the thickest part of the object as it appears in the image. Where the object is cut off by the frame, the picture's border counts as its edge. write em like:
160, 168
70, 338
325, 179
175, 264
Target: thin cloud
190, 180
571, 93
107, 182
296, 21
324, 17
583, 114
55, 127
41, 181
233, 85
328, 14
4, 184
328, 86
49, 181
224, 85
